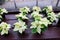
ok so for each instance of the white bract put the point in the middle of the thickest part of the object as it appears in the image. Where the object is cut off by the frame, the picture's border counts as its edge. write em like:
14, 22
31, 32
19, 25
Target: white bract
39, 22
21, 16
48, 9
24, 10
36, 8
4, 28
2, 11
51, 16
20, 26
37, 25
36, 15
45, 21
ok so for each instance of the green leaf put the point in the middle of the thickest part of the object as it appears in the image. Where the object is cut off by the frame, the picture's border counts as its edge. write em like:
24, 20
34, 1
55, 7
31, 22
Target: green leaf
44, 29
39, 30
34, 30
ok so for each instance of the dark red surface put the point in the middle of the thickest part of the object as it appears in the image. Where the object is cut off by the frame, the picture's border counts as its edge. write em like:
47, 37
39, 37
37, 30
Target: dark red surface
51, 33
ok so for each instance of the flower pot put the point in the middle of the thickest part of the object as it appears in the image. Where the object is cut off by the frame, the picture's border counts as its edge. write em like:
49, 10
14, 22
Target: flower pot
3, 17
37, 34
55, 22
58, 24
20, 33
26, 21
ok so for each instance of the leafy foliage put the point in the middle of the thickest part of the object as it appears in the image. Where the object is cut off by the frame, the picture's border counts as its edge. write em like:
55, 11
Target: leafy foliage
36, 8
24, 10
20, 26
2, 11
51, 16
39, 23
48, 9
21, 17
4, 28
36, 15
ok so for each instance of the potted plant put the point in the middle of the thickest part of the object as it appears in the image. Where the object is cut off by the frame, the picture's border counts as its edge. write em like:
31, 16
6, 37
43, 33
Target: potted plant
46, 10
20, 27
51, 16
58, 18
23, 15
36, 15
4, 28
24, 10
3, 11
39, 24
36, 8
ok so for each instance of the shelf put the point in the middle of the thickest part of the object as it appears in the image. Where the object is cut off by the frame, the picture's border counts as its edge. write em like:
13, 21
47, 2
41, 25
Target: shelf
51, 33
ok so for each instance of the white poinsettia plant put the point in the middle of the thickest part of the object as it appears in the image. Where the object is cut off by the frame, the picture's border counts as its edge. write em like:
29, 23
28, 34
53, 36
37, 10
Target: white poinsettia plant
2, 11
48, 9
4, 28
37, 26
39, 23
36, 15
24, 10
20, 26
36, 8
21, 17
51, 16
